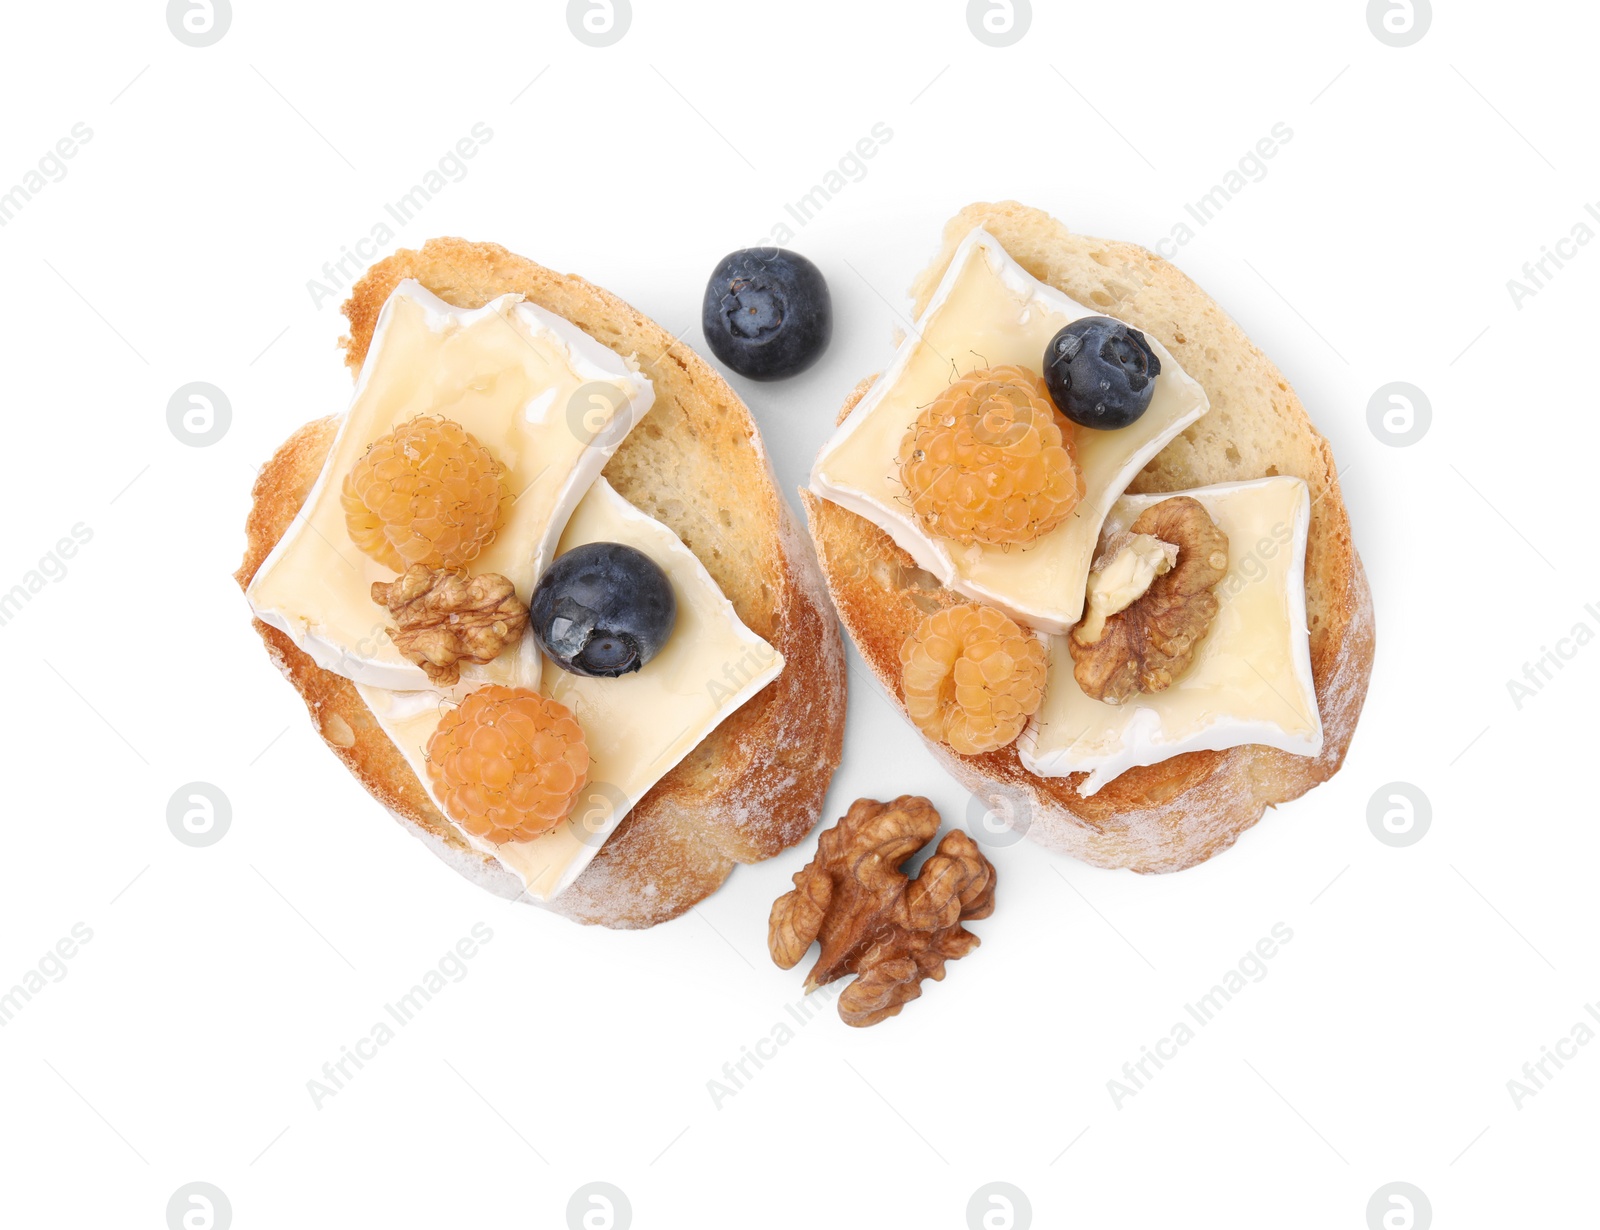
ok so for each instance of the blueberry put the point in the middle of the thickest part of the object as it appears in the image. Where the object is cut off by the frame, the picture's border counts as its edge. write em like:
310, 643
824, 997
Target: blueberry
603, 609
767, 313
1101, 373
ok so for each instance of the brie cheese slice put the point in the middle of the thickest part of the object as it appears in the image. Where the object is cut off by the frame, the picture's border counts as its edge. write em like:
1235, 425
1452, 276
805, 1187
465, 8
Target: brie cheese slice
1250, 680
638, 726
548, 401
989, 311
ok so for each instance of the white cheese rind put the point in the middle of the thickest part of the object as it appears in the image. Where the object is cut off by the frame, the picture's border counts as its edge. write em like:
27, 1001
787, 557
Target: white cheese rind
637, 727
989, 311
1250, 681
515, 376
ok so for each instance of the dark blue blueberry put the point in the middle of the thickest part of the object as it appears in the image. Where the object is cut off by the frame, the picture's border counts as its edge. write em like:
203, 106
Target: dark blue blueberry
603, 609
1101, 373
767, 313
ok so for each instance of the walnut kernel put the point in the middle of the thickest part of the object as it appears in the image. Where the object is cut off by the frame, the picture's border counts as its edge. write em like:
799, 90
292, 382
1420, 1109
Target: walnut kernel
1150, 643
871, 919
446, 616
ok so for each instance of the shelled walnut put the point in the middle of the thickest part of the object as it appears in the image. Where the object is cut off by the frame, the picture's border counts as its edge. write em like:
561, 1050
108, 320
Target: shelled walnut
1148, 644
871, 919
445, 617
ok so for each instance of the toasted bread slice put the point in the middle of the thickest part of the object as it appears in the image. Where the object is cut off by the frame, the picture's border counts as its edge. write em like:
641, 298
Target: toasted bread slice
1172, 815
696, 463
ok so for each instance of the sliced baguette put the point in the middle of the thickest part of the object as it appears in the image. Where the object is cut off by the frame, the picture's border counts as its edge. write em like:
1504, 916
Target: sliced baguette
696, 463
1172, 815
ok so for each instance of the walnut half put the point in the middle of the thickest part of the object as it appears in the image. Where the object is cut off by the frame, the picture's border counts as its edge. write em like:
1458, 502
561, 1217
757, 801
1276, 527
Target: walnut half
446, 616
1148, 645
871, 919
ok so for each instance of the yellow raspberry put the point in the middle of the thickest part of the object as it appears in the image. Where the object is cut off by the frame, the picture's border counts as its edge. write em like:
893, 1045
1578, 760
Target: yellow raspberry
508, 763
991, 460
972, 677
426, 493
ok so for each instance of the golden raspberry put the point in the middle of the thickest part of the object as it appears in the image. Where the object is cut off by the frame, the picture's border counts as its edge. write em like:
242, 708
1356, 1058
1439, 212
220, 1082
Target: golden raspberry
508, 763
991, 460
972, 677
426, 493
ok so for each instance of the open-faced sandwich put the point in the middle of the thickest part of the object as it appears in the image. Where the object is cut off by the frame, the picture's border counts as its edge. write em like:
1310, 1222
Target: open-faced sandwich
540, 594
1085, 536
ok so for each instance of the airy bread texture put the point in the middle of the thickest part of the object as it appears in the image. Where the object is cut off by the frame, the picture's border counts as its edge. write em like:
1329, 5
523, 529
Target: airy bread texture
754, 786
1172, 815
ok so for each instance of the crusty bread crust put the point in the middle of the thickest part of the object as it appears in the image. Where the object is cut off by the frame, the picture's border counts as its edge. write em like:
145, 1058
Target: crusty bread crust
754, 786
1172, 815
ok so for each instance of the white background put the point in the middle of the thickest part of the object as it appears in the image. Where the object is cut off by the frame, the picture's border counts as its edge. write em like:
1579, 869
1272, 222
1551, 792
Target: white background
1419, 980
